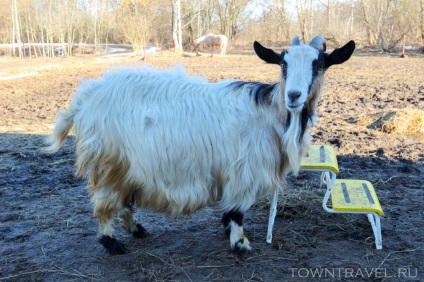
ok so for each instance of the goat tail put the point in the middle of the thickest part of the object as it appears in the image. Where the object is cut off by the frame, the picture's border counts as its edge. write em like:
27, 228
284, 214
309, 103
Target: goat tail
60, 131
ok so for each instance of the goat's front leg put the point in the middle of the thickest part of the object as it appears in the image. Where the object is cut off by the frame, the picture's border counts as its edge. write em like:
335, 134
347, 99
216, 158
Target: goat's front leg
233, 224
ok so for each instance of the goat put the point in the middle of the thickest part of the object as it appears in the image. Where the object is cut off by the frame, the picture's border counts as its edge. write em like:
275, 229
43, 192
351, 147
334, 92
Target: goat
212, 40
164, 141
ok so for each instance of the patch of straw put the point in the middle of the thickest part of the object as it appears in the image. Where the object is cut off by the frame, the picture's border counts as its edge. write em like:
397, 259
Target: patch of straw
396, 121
406, 121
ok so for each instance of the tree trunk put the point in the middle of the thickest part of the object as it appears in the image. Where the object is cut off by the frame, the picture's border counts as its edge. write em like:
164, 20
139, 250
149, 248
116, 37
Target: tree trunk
371, 37
279, 14
33, 38
328, 14
351, 18
27, 21
422, 22
176, 25
179, 21
301, 15
71, 30
16, 34
311, 31
50, 39
13, 51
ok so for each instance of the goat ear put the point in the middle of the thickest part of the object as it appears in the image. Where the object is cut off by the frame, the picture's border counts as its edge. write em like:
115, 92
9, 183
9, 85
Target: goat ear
266, 54
340, 55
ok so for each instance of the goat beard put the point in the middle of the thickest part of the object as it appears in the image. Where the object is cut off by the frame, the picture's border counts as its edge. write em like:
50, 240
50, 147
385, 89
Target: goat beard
291, 139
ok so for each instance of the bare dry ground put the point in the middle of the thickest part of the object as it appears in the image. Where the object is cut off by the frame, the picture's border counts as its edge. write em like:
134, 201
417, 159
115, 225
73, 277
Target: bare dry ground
47, 232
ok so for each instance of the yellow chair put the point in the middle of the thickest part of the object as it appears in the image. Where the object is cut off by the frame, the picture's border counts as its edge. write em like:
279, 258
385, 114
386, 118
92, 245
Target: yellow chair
347, 195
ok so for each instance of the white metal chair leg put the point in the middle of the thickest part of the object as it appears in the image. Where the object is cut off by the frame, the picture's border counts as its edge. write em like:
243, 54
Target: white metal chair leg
272, 214
374, 219
328, 178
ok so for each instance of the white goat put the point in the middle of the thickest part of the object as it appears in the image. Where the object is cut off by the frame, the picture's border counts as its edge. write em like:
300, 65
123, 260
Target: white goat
168, 142
212, 40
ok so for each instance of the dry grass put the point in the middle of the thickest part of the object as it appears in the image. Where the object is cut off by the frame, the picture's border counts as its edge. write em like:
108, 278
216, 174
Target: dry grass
407, 121
396, 121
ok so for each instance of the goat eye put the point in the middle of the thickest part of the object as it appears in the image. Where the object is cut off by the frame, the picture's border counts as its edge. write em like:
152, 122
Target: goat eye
319, 68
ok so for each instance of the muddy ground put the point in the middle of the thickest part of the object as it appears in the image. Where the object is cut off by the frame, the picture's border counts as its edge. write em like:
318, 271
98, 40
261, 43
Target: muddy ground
47, 232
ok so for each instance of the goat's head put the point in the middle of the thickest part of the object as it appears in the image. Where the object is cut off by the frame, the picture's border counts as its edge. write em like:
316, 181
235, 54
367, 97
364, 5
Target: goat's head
303, 67
302, 73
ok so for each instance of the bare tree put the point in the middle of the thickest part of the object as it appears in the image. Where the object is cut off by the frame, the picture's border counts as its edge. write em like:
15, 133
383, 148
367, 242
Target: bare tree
351, 19
382, 23
229, 13
311, 5
71, 26
177, 25
190, 18
370, 33
278, 13
421, 22
136, 19
204, 16
302, 17
16, 30
387, 21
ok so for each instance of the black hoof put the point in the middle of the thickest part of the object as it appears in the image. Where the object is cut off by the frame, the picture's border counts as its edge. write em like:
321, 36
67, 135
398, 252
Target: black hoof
242, 247
113, 246
140, 232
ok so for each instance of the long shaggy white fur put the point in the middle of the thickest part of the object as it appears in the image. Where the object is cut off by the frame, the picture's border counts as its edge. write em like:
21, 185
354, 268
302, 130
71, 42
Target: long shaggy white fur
187, 140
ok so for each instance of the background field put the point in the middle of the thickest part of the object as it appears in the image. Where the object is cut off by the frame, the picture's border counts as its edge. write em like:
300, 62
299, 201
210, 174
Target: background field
47, 231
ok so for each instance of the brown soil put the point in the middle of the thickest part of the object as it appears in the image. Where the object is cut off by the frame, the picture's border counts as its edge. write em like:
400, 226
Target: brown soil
47, 232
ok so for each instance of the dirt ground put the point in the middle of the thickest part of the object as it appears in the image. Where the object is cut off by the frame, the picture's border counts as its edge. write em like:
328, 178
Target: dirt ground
48, 233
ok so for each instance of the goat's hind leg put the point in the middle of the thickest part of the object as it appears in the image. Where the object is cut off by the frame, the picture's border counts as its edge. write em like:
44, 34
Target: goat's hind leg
233, 224
105, 208
129, 223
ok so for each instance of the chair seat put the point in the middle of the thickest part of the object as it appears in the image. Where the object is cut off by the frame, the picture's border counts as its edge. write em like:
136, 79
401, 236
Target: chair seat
320, 157
352, 195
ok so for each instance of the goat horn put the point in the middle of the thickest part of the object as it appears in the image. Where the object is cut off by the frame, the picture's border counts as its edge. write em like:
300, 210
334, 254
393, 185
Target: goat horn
295, 41
317, 41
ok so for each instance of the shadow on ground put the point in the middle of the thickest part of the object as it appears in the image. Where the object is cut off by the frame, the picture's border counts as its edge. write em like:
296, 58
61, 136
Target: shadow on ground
47, 231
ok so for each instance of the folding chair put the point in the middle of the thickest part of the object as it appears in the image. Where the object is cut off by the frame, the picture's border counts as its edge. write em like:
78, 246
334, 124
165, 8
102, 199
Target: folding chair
347, 196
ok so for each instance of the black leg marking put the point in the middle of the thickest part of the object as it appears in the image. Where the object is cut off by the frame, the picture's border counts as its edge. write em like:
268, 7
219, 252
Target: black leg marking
233, 215
233, 223
113, 246
140, 232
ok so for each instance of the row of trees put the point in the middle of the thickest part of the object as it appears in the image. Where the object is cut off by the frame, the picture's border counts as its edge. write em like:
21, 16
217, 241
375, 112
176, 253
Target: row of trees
376, 23
175, 23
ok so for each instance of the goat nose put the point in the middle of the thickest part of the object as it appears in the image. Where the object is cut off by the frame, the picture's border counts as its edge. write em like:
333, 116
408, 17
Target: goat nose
294, 95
